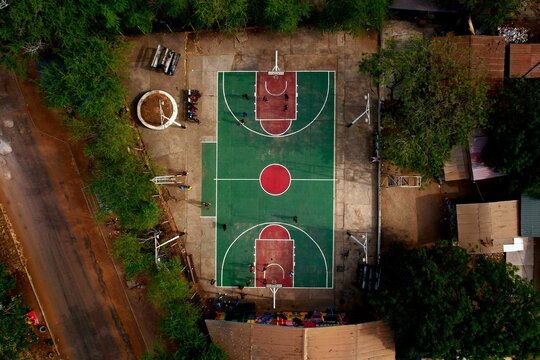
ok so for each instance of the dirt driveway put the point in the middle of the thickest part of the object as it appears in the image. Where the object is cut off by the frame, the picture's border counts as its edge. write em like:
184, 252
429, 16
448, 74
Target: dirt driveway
42, 191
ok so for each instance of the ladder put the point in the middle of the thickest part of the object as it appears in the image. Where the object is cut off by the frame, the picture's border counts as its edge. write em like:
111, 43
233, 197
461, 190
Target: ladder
405, 181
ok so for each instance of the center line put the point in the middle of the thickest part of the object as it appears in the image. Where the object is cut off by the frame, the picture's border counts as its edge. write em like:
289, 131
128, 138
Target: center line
244, 179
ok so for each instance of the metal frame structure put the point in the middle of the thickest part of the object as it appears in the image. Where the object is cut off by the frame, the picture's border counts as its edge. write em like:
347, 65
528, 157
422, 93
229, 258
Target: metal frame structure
167, 180
363, 242
276, 70
404, 181
274, 289
366, 112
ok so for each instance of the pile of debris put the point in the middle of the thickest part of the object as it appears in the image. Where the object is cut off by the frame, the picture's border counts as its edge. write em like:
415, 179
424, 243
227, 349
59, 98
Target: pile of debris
513, 35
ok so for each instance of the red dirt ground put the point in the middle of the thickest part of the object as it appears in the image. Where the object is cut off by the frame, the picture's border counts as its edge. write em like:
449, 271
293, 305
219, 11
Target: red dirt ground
84, 299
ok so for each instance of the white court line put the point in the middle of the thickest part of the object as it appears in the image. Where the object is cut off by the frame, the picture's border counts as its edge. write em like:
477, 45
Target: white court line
276, 223
272, 94
287, 230
291, 133
216, 183
274, 239
275, 119
334, 186
292, 179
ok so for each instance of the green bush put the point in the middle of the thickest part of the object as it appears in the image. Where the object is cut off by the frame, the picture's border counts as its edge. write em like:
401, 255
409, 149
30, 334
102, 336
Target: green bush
354, 15
434, 102
512, 126
286, 15
128, 250
444, 303
15, 334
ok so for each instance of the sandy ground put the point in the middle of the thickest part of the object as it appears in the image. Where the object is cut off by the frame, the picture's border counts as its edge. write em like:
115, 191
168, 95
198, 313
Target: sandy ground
84, 299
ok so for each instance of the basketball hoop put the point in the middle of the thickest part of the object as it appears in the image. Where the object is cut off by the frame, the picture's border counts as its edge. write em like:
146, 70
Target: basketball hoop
276, 71
274, 289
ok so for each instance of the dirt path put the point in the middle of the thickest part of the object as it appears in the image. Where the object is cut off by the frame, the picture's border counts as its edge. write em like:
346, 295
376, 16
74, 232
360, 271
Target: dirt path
82, 296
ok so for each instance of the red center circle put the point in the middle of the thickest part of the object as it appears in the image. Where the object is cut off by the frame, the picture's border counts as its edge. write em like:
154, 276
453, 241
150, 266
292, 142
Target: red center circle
275, 179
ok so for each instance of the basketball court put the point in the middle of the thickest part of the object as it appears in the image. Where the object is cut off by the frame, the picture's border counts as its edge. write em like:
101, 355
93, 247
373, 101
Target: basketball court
270, 179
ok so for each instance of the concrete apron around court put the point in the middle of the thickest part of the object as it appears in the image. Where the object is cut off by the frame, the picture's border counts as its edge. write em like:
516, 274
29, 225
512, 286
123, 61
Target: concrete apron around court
202, 56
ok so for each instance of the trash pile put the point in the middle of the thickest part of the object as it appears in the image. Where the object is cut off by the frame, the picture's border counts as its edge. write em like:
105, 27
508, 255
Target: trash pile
315, 318
514, 35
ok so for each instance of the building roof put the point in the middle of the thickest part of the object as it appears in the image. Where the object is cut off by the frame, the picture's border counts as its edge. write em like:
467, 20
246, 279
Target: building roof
373, 340
457, 167
523, 57
422, 5
486, 53
484, 228
523, 259
530, 216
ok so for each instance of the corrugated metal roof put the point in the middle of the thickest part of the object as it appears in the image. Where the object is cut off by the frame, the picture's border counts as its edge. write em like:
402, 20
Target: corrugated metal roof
457, 168
373, 340
421, 5
485, 228
530, 216
523, 58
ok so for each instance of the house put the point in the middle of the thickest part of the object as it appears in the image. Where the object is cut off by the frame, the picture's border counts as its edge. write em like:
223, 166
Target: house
486, 228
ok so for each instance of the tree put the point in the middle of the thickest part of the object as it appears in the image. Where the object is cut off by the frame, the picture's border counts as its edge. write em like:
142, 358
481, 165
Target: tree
486, 15
169, 287
286, 15
445, 303
128, 250
434, 102
227, 15
15, 334
513, 129
354, 15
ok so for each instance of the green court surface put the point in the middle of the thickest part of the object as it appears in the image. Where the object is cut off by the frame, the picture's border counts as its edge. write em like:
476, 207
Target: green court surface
306, 150
208, 178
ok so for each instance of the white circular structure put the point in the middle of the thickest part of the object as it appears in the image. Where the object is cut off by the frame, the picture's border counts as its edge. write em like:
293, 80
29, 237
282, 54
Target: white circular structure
164, 120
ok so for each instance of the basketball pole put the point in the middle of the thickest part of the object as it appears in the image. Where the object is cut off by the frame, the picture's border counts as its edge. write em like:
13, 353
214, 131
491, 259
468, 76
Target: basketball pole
274, 289
366, 113
276, 68
363, 243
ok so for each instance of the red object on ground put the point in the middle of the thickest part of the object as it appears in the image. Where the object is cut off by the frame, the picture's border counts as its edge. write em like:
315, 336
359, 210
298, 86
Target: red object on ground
275, 251
32, 318
275, 179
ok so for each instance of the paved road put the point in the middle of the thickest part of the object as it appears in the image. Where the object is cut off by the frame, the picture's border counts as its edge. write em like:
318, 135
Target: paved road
82, 296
